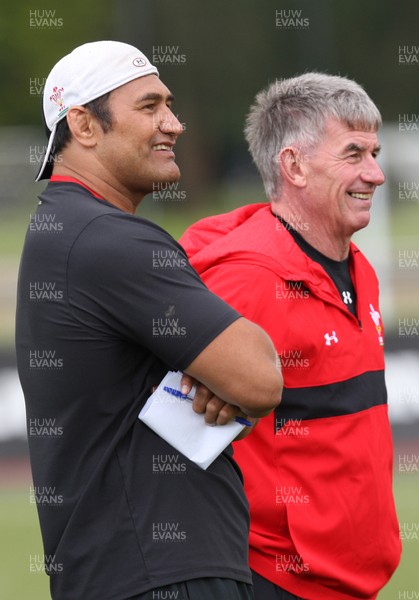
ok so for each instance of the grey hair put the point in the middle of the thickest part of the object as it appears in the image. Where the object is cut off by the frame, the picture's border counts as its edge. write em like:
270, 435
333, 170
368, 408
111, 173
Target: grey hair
294, 112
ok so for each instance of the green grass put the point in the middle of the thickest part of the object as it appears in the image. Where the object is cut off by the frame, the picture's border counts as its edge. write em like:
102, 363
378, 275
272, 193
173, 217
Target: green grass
20, 540
406, 578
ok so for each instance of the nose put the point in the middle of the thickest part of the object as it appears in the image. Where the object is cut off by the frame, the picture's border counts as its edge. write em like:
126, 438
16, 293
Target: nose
169, 123
372, 172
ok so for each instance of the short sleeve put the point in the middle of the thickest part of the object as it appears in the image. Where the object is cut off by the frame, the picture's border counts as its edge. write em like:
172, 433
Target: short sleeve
129, 279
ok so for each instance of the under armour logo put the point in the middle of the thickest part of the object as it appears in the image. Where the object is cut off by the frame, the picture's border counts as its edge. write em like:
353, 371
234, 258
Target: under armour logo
170, 311
347, 297
330, 338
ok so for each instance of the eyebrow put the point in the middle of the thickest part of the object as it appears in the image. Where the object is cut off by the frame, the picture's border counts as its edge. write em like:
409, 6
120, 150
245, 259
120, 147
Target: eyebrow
155, 96
358, 148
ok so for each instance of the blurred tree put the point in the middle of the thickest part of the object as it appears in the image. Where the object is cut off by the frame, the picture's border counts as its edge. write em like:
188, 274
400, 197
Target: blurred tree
32, 39
230, 51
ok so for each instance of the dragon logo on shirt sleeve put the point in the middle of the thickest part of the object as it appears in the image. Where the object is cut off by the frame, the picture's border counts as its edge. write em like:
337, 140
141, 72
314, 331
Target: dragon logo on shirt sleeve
376, 317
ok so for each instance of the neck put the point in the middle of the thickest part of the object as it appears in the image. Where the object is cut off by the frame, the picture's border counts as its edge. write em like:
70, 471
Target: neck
121, 198
314, 231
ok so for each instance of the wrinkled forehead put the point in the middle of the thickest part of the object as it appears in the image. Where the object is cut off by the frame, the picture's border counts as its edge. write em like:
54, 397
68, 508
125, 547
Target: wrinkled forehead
340, 134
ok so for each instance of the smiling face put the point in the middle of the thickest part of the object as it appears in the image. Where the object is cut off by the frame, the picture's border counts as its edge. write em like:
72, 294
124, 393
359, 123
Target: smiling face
136, 154
341, 177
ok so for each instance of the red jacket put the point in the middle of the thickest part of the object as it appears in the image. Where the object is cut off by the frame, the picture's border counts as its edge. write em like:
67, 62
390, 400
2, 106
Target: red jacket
318, 472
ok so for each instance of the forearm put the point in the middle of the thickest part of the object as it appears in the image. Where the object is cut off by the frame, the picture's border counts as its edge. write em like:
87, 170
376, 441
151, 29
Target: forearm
240, 367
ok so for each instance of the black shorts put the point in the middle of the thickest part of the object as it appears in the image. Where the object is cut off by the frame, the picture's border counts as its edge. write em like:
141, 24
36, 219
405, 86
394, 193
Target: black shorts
209, 588
266, 590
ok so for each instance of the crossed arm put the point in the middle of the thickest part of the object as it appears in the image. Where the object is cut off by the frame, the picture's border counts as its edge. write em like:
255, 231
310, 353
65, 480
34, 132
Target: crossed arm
237, 374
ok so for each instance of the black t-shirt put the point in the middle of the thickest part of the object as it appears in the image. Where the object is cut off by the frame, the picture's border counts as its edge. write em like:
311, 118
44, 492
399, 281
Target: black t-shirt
107, 303
338, 270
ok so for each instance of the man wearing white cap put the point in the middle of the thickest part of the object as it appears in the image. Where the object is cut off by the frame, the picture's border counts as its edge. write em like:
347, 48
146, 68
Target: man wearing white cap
99, 322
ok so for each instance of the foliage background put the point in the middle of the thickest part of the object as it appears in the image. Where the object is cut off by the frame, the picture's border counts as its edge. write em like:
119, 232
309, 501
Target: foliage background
232, 49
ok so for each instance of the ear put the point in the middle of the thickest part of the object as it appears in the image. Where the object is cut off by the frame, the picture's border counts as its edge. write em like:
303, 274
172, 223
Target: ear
82, 126
291, 165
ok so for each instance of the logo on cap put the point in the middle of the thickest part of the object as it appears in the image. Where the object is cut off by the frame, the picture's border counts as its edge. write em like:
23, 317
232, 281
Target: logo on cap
139, 62
56, 97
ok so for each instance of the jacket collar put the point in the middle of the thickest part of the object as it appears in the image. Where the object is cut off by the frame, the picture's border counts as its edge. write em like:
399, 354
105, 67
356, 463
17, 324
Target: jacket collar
253, 235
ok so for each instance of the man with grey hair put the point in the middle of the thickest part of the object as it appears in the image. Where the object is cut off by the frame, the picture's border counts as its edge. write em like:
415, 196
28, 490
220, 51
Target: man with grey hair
318, 472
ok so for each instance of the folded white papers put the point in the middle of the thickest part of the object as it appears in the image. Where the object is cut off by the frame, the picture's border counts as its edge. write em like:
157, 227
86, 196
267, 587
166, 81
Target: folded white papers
173, 419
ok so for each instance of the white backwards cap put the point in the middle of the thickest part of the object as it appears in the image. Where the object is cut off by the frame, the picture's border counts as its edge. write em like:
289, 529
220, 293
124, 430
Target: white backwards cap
88, 72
